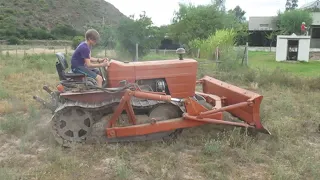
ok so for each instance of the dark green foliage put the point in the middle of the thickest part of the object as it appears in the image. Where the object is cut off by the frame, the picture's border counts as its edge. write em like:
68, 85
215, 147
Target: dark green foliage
76, 41
132, 31
238, 13
193, 22
13, 40
291, 4
53, 19
108, 37
290, 21
64, 31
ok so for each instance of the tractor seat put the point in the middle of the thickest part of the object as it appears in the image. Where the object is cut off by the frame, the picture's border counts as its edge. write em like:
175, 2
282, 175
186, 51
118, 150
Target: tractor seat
62, 65
73, 75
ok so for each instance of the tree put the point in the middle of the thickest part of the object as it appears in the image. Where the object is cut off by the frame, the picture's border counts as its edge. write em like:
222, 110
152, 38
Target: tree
221, 4
239, 13
131, 31
242, 34
288, 5
191, 22
291, 4
271, 36
159, 34
294, 4
290, 21
108, 37
64, 31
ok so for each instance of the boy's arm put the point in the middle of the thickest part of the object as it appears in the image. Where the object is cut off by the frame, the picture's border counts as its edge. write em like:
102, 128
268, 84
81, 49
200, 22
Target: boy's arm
91, 65
98, 60
86, 54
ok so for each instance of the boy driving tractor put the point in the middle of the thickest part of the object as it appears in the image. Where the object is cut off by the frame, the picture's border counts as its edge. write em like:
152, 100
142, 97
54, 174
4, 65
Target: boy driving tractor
82, 62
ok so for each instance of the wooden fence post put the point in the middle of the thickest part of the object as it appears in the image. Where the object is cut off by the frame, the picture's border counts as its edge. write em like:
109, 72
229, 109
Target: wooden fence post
247, 58
217, 56
137, 52
198, 54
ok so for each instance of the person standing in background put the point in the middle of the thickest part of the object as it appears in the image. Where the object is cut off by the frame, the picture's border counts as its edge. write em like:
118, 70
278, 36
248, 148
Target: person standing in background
303, 29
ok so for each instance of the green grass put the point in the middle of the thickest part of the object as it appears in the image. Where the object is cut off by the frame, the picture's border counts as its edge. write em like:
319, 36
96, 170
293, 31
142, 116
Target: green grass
267, 60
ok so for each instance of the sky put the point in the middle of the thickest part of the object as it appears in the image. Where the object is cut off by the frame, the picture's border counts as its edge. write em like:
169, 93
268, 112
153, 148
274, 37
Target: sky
161, 11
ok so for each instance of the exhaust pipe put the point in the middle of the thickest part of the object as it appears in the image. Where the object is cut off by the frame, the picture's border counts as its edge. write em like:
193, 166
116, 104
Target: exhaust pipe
46, 88
44, 103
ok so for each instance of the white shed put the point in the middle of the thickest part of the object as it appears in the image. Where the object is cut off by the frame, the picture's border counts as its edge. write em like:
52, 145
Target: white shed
293, 48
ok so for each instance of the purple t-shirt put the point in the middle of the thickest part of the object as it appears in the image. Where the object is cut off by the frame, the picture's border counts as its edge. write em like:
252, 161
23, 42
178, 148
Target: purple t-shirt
82, 52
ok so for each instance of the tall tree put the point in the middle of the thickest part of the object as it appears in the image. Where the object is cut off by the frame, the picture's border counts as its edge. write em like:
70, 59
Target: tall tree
291, 4
289, 22
239, 13
191, 22
137, 31
294, 4
221, 4
288, 5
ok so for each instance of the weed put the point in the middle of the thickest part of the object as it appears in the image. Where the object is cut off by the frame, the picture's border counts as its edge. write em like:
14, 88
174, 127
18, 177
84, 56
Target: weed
19, 124
3, 93
7, 174
213, 147
14, 124
122, 171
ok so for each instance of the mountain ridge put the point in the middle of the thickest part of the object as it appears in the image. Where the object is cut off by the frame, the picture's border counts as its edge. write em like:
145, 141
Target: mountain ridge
49, 14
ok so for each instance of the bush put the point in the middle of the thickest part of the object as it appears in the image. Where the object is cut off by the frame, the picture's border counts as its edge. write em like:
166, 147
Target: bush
13, 41
224, 40
76, 41
290, 21
64, 31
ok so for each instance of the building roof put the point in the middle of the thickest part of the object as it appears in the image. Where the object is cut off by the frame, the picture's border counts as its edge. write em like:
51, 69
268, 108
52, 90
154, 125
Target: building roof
311, 4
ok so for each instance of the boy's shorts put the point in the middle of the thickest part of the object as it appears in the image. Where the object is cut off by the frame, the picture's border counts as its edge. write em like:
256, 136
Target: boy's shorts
86, 71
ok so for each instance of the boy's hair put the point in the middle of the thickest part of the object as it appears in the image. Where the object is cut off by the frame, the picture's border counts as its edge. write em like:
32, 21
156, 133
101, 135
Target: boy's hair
92, 34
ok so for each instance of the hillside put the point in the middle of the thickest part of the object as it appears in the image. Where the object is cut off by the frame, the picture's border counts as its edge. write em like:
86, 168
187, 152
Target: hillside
17, 15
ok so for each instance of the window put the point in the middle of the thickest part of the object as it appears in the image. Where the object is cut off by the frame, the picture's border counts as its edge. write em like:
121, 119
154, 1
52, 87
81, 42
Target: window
315, 32
264, 25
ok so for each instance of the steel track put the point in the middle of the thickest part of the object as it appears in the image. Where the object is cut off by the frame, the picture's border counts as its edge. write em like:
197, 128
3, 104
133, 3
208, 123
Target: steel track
97, 111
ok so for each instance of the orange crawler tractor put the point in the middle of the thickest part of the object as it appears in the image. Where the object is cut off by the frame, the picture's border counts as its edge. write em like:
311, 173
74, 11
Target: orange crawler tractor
144, 101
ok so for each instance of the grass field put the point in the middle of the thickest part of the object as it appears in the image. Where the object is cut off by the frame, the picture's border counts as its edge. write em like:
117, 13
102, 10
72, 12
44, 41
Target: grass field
289, 110
267, 60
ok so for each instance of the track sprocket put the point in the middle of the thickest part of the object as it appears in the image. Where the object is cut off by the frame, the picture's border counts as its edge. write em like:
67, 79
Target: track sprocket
72, 125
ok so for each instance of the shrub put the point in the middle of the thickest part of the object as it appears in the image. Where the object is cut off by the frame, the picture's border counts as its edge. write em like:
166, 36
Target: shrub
289, 21
76, 41
13, 40
224, 40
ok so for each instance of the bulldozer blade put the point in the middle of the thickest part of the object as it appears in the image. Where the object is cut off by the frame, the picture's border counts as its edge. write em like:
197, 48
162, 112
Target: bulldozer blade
233, 95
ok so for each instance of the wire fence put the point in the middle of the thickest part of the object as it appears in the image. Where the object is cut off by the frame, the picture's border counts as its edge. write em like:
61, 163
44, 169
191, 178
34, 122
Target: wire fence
22, 50
46, 48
